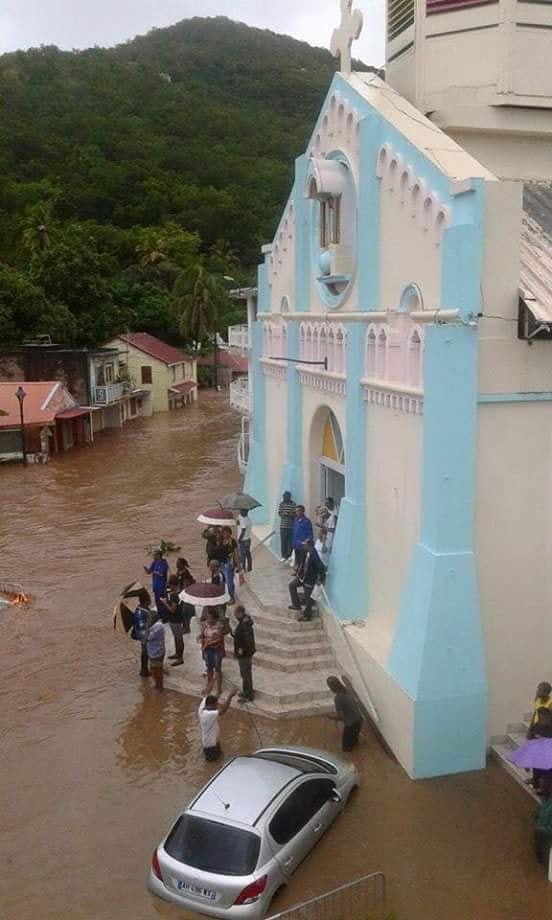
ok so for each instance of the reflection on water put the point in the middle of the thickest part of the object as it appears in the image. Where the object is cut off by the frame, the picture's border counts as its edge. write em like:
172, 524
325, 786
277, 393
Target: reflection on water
95, 765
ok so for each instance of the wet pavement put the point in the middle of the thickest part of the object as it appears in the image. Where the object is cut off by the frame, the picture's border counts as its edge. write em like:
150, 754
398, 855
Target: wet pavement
94, 764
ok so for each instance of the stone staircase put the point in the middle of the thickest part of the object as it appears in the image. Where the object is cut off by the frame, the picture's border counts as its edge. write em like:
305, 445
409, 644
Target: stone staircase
293, 659
505, 745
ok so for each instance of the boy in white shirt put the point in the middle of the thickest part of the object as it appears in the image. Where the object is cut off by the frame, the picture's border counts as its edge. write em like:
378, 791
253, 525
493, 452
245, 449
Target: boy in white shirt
209, 712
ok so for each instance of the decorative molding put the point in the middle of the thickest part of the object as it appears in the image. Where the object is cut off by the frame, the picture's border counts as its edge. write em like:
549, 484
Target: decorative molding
324, 380
394, 396
273, 369
423, 204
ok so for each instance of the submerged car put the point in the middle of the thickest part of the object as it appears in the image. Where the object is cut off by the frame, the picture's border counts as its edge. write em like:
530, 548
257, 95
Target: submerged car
247, 831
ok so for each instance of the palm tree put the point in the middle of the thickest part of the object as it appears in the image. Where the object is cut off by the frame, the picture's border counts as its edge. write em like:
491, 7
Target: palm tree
197, 300
38, 228
152, 250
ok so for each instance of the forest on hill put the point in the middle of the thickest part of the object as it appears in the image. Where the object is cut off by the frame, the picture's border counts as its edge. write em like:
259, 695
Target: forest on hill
137, 183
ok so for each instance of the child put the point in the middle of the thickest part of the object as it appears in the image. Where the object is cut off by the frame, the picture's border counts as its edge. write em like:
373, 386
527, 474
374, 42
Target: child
209, 712
543, 699
155, 639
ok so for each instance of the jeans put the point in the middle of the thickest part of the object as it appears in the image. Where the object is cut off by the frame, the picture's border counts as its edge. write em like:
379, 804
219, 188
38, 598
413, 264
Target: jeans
246, 671
350, 736
177, 630
244, 549
228, 572
286, 534
296, 600
300, 554
144, 670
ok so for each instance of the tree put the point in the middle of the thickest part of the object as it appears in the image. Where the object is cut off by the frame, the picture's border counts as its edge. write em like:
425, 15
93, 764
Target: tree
25, 312
39, 227
198, 300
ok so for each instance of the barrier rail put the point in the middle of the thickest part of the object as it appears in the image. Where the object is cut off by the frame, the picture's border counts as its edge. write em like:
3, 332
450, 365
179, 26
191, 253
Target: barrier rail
363, 899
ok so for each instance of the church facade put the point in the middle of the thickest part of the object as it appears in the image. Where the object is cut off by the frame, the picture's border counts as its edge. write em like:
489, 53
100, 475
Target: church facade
389, 372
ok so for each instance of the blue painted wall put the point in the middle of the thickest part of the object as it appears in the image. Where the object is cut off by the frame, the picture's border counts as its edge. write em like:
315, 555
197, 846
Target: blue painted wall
256, 475
437, 655
347, 585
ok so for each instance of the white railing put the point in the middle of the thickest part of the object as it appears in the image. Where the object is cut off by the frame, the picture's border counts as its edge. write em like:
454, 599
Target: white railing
238, 337
109, 394
240, 397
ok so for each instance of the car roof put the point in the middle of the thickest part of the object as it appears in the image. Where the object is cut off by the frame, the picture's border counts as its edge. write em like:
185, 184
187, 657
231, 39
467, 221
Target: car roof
244, 789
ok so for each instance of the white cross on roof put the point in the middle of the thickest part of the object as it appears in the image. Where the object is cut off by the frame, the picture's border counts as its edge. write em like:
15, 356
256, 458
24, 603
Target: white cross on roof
346, 34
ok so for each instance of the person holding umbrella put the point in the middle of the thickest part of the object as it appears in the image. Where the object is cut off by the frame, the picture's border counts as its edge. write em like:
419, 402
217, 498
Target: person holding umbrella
244, 540
536, 753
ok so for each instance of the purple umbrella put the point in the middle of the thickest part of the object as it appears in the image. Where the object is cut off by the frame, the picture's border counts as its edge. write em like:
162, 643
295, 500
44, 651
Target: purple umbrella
535, 754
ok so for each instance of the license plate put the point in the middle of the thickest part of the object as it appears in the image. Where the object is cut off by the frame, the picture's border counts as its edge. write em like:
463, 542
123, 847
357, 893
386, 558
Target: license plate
200, 892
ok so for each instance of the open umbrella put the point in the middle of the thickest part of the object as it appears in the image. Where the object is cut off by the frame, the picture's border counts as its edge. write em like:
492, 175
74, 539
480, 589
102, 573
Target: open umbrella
238, 500
535, 754
204, 594
217, 517
123, 610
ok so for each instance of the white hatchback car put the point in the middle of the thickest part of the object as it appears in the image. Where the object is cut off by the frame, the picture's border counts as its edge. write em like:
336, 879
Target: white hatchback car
247, 831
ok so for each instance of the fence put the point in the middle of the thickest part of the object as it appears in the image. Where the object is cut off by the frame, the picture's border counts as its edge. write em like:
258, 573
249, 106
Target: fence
363, 899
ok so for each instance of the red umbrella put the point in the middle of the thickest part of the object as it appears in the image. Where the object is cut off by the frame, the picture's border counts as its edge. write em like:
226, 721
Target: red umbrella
217, 517
204, 594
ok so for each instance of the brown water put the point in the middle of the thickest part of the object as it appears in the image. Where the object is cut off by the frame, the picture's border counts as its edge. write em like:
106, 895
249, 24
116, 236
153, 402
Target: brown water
94, 764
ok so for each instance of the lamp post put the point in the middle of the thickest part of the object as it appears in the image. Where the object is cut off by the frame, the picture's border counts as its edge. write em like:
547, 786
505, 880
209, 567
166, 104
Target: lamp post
20, 393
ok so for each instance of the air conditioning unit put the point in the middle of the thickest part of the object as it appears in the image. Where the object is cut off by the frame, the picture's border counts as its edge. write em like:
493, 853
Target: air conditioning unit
341, 259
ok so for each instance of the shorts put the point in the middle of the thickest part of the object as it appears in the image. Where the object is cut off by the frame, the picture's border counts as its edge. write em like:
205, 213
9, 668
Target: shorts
212, 659
156, 662
212, 753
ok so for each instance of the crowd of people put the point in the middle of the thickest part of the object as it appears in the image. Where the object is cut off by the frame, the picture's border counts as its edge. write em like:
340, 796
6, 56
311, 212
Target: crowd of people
227, 560
310, 557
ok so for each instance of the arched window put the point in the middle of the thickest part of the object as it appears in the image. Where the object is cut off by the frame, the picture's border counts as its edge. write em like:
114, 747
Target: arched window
340, 345
323, 343
308, 344
331, 349
284, 340
371, 353
302, 341
415, 359
381, 355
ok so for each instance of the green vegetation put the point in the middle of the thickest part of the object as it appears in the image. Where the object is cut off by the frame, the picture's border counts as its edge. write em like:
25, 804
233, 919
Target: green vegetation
132, 177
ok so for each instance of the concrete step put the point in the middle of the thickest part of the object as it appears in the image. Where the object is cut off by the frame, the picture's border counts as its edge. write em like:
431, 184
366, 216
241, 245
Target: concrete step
315, 649
269, 631
316, 662
282, 624
500, 753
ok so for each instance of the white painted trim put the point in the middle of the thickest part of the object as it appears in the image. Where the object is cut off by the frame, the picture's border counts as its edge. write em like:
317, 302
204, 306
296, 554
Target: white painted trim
326, 381
434, 316
333, 317
390, 387
49, 396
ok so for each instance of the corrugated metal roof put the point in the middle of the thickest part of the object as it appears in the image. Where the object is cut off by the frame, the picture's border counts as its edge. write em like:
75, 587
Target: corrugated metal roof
536, 250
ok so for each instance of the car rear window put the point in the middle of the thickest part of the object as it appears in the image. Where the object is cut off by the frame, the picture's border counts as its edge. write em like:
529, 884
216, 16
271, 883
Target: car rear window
213, 847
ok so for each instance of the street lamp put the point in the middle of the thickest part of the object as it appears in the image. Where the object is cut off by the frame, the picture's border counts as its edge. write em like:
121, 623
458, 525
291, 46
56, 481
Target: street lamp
20, 393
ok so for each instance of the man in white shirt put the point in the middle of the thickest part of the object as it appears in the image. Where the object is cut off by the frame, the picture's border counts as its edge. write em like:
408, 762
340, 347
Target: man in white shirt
244, 540
322, 548
209, 712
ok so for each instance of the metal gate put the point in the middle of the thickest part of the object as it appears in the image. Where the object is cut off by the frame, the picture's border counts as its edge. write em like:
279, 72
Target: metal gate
363, 899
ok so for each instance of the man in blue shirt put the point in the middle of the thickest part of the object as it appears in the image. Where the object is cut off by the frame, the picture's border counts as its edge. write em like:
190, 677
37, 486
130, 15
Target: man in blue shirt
302, 530
159, 570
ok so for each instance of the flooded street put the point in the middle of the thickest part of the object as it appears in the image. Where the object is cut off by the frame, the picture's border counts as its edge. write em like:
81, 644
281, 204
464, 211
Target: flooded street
94, 764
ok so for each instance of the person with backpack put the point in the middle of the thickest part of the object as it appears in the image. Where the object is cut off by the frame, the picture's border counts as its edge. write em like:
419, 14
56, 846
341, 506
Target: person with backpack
174, 614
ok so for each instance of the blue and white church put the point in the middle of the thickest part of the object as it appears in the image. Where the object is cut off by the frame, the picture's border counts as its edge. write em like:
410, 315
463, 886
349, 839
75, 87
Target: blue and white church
401, 362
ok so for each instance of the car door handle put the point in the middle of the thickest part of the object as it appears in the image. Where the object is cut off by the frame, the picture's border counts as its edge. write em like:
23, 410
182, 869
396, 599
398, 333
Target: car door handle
318, 827
288, 861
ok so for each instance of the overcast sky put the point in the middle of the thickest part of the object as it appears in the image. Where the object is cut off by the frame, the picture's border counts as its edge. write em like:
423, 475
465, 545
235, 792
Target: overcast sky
82, 23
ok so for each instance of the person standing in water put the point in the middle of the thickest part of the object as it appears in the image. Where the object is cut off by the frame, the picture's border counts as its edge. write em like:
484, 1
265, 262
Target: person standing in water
142, 618
346, 711
209, 713
175, 618
159, 570
155, 640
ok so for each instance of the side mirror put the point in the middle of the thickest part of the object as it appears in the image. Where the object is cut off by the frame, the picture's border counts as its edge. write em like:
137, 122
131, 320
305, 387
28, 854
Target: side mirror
335, 797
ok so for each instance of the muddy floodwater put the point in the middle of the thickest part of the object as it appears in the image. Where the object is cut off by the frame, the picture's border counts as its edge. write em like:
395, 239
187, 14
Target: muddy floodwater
94, 764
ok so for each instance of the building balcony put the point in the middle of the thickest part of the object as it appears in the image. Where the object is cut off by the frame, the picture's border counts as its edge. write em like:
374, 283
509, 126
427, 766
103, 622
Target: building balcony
238, 337
240, 396
111, 393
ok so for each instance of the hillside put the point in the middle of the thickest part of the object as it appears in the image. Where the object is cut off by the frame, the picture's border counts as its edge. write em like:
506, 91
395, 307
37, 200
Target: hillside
195, 126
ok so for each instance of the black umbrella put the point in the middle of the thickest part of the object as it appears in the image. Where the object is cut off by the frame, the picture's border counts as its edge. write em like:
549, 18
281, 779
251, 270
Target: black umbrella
235, 501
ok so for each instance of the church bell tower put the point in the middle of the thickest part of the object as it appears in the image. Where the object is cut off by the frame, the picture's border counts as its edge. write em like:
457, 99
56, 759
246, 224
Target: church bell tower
482, 71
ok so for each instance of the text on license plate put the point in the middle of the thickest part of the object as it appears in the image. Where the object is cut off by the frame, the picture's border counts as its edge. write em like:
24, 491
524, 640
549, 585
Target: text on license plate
196, 889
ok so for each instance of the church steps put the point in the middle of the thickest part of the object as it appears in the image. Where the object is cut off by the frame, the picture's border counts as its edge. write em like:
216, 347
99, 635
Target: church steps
313, 649
503, 747
294, 665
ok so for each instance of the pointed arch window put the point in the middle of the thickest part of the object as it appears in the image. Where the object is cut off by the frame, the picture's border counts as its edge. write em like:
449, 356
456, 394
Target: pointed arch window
371, 353
381, 355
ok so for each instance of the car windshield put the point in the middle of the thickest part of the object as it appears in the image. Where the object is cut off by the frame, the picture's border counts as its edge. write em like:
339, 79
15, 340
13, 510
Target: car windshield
213, 847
